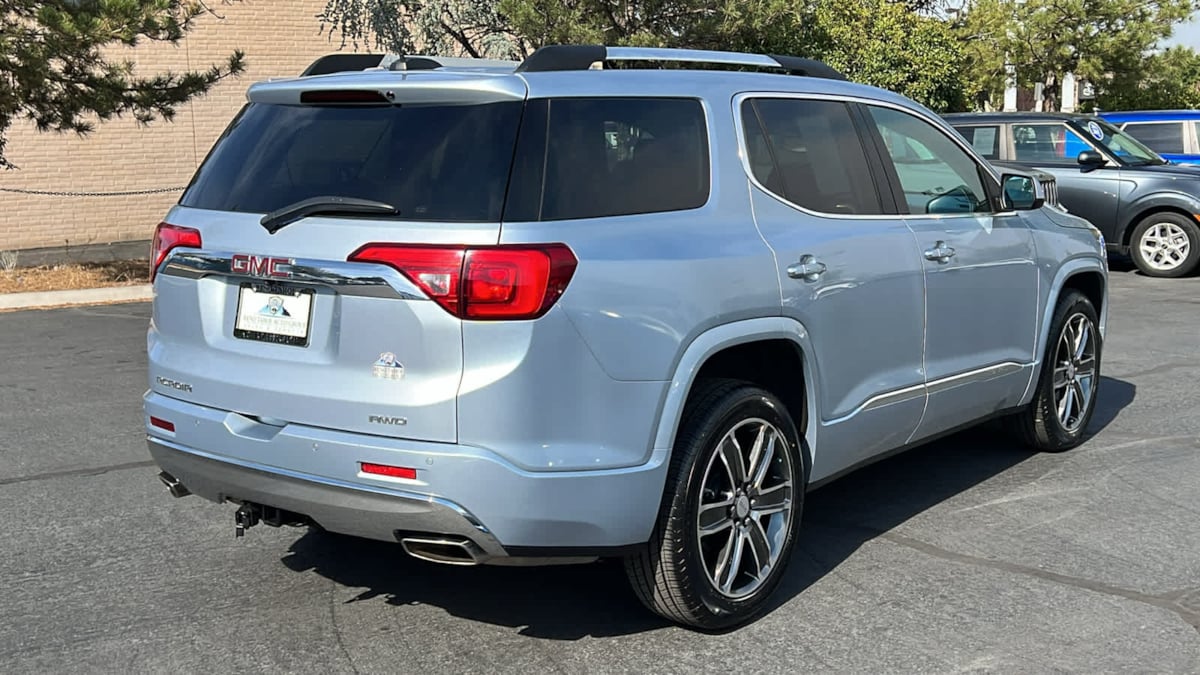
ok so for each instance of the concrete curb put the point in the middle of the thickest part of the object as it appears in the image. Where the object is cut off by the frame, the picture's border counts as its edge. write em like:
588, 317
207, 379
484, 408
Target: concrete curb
88, 296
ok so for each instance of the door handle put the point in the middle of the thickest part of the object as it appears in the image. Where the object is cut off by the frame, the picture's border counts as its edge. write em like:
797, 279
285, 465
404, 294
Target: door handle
808, 269
940, 253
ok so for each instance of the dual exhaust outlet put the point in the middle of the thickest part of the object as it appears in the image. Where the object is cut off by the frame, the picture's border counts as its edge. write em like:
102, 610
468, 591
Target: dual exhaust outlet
445, 549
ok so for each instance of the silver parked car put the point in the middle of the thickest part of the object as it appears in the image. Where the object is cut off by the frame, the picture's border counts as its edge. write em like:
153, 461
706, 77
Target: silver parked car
548, 312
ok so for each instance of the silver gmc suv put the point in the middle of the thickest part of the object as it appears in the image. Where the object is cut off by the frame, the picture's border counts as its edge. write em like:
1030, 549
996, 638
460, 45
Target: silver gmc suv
590, 306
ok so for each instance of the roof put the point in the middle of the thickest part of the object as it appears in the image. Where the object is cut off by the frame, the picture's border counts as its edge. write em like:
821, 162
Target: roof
1014, 116
1152, 115
568, 70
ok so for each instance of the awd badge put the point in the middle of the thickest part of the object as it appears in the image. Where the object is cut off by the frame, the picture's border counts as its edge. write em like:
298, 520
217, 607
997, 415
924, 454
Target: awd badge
387, 367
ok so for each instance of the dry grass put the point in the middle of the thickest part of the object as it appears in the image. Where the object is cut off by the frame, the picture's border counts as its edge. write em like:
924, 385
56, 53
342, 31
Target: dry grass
75, 276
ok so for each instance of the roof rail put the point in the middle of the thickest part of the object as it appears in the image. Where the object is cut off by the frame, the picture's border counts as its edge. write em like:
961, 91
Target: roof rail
583, 57
342, 62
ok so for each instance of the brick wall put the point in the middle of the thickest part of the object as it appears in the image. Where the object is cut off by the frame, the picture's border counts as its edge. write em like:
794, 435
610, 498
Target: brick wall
280, 38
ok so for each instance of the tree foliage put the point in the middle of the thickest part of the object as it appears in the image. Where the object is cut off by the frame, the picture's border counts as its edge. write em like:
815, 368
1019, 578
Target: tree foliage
1169, 79
1103, 41
883, 42
56, 70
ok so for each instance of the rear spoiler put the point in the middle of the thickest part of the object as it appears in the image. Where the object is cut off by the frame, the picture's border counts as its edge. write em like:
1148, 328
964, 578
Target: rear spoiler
340, 63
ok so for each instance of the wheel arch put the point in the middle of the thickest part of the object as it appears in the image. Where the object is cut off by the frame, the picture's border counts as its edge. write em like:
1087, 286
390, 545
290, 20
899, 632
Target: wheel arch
1086, 275
747, 350
1178, 204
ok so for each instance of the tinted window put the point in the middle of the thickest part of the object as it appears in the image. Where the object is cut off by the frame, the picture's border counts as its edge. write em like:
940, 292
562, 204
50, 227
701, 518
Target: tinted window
985, 140
448, 163
618, 156
936, 174
810, 153
1161, 137
1049, 143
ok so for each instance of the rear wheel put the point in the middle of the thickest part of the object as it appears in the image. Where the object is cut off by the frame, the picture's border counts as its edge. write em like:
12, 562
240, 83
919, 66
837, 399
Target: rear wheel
730, 512
1166, 245
1070, 379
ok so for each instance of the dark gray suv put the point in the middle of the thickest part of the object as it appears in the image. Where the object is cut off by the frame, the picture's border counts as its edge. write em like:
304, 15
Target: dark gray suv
1145, 206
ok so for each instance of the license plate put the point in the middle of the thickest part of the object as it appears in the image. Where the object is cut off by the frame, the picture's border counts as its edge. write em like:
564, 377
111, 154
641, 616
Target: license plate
273, 313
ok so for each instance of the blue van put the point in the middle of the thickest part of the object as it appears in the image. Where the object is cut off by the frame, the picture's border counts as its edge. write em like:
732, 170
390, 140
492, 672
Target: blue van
1174, 134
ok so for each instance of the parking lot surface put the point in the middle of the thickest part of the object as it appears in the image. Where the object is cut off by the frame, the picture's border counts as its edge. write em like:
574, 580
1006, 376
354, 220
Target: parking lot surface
969, 554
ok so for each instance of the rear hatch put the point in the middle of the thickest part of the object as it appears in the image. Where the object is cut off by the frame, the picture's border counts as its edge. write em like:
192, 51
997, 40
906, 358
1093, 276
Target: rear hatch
282, 297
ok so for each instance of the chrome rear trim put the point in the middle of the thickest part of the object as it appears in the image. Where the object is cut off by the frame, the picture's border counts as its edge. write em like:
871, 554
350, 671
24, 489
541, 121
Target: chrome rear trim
346, 278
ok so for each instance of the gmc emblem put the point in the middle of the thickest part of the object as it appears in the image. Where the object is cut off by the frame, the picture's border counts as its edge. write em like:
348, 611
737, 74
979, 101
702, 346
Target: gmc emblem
261, 266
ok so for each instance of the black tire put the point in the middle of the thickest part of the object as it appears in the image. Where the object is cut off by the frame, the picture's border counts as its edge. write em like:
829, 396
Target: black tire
1039, 425
669, 575
1145, 259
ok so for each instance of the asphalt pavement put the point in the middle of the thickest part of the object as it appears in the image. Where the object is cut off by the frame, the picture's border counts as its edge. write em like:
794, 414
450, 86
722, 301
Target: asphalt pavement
969, 554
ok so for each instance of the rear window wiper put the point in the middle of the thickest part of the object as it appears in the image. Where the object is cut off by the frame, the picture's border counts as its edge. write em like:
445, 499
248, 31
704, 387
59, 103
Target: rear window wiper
329, 205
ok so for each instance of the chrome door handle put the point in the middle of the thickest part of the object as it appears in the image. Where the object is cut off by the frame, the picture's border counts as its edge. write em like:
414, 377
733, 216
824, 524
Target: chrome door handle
808, 269
940, 252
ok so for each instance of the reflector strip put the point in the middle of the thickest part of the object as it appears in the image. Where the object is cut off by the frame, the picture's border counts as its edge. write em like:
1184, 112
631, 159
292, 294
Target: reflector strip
162, 424
391, 471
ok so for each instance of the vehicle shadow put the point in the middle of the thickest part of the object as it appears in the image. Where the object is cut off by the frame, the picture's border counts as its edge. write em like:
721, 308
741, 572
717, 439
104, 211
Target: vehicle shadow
573, 602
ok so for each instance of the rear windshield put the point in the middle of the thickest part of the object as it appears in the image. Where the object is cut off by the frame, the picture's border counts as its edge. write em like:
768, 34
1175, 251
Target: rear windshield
575, 158
443, 163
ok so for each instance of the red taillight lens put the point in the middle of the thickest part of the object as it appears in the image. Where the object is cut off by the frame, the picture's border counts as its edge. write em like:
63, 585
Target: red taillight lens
391, 471
485, 282
162, 424
167, 237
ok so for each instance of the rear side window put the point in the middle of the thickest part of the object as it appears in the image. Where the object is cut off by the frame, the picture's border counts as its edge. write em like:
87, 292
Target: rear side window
810, 153
1161, 137
431, 162
985, 140
598, 157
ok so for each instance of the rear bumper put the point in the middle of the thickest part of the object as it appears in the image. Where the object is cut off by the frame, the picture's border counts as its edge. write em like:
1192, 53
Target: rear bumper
374, 513
460, 491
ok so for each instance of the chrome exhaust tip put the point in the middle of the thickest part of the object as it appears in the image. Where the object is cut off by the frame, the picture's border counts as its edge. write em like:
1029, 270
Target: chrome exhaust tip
176, 488
448, 550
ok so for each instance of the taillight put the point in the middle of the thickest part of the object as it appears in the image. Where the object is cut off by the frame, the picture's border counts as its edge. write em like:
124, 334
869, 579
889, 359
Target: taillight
168, 237
485, 282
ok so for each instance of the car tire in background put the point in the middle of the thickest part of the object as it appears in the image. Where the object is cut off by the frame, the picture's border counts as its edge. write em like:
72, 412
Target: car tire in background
1065, 398
1166, 245
730, 511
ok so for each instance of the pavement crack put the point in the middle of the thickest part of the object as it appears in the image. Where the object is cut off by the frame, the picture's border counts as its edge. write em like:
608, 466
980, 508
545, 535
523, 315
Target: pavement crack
93, 471
337, 631
1173, 602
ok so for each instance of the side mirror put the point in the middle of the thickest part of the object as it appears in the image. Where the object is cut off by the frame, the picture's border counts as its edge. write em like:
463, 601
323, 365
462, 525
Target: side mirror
1090, 160
1021, 193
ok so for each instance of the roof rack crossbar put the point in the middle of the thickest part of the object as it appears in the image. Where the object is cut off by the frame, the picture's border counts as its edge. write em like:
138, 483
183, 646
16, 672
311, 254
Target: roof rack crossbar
582, 57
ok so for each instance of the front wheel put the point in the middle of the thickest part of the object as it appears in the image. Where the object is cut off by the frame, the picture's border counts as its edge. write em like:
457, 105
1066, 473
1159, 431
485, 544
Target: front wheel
1166, 245
731, 510
1065, 398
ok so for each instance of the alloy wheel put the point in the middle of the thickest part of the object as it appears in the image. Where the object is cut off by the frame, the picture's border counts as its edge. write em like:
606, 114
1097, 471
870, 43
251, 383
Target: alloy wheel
1164, 246
745, 507
1075, 372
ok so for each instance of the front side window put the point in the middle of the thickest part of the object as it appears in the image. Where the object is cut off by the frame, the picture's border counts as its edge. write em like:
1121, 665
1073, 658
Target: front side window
1161, 137
810, 153
1048, 143
936, 174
